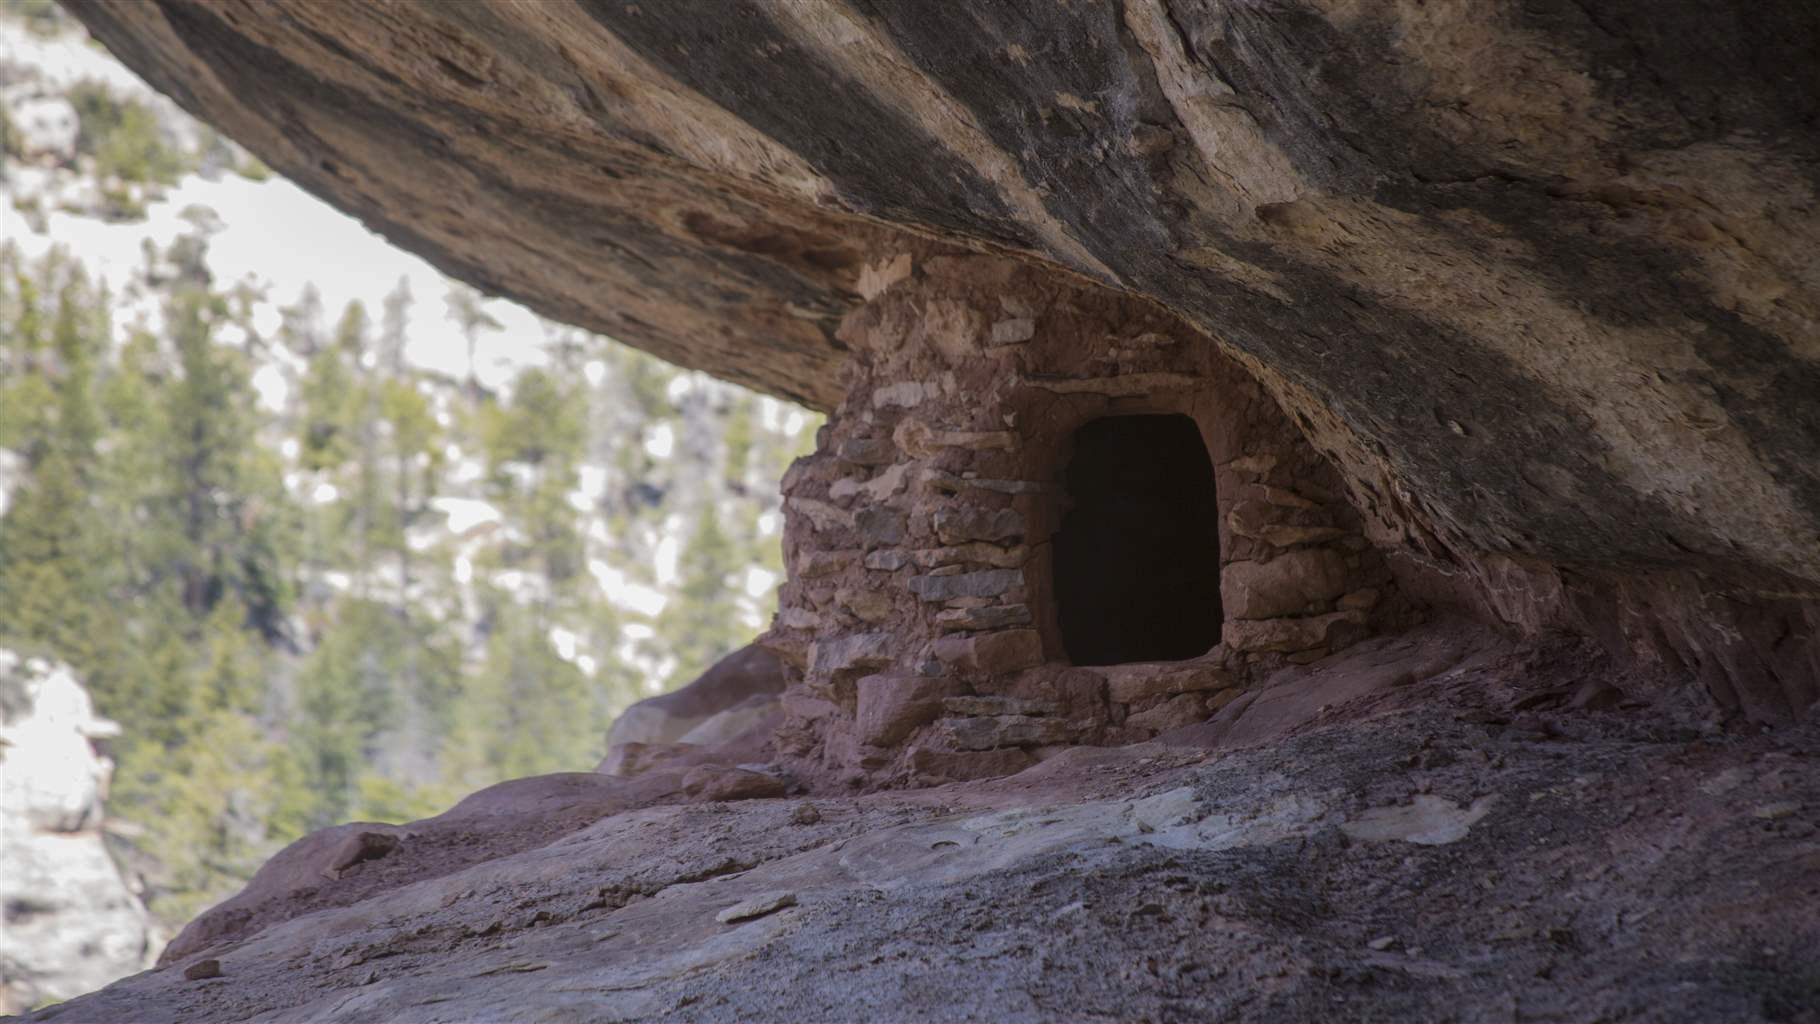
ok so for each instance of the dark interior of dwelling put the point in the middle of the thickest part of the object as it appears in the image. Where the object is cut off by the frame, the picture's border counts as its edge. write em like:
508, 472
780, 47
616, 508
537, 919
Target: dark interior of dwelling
1137, 560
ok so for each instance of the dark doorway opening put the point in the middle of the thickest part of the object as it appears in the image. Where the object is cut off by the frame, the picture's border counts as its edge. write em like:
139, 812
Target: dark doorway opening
1137, 561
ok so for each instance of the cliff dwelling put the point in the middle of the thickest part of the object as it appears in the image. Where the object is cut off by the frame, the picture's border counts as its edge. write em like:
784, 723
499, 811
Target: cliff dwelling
1318, 515
1047, 515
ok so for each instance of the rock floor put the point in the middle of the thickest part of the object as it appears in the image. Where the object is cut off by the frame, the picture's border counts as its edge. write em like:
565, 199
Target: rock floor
1457, 844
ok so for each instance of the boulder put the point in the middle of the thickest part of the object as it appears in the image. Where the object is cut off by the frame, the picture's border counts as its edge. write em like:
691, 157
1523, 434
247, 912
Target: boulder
736, 695
72, 921
1082, 885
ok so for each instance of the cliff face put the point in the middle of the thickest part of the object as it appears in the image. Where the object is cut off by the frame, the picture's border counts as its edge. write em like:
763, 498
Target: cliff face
1536, 276
69, 922
1543, 264
1505, 306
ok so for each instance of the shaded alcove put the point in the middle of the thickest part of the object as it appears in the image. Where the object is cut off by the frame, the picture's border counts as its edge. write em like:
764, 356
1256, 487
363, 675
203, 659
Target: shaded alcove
1137, 560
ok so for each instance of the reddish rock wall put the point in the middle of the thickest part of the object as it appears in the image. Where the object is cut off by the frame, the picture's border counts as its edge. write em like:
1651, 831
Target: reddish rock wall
1536, 275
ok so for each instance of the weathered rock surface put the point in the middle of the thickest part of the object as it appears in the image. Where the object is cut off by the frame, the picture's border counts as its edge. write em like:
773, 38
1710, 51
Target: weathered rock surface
735, 697
1539, 273
1420, 829
69, 922
1536, 276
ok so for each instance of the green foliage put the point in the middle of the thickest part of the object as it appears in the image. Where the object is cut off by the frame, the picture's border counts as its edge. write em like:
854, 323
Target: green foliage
124, 137
49, 567
702, 621
216, 519
120, 205
147, 547
48, 584
209, 810
524, 709
381, 798
41, 17
372, 667
740, 437
545, 422
351, 332
394, 322
283, 657
10, 142
328, 427
468, 308
534, 443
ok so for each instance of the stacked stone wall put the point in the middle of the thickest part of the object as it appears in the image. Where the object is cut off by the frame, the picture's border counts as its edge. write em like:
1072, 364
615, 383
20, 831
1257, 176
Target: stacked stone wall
919, 626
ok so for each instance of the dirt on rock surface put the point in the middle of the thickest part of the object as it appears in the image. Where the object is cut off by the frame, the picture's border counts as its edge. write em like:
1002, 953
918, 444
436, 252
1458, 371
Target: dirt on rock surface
1477, 840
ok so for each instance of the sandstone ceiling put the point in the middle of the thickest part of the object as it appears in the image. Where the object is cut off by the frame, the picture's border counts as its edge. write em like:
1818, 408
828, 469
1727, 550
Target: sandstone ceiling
1545, 268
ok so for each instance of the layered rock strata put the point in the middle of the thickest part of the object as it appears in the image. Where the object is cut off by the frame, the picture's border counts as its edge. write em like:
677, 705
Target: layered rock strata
1536, 274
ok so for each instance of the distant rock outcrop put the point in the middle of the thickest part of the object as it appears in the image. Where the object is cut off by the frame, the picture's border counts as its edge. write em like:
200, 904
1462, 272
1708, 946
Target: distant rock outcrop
71, 922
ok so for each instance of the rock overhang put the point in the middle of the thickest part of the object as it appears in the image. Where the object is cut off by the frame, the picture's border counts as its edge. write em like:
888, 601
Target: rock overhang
1536, 278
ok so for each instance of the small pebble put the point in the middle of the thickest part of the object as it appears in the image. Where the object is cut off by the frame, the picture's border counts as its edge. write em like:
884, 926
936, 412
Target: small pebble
805, 814
1382, 943
1771, 812
202, 969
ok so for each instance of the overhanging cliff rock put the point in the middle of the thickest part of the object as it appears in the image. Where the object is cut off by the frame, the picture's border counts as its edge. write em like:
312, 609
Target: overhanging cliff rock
1536, 278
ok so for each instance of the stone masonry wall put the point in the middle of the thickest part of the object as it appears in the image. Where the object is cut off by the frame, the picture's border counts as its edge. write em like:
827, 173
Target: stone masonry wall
918, 627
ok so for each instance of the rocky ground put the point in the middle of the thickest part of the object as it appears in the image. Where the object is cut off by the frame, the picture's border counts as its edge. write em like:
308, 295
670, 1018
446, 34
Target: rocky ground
1436, 827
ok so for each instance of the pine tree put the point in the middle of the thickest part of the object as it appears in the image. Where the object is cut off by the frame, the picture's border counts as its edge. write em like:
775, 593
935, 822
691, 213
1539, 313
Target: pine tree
202, 550
394, 329
468, 308
534, 444
345, 698
218, 505
50, 569
702, 623
739, 439
415, 465
328, 416
153, 541
301, 329
518, 715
